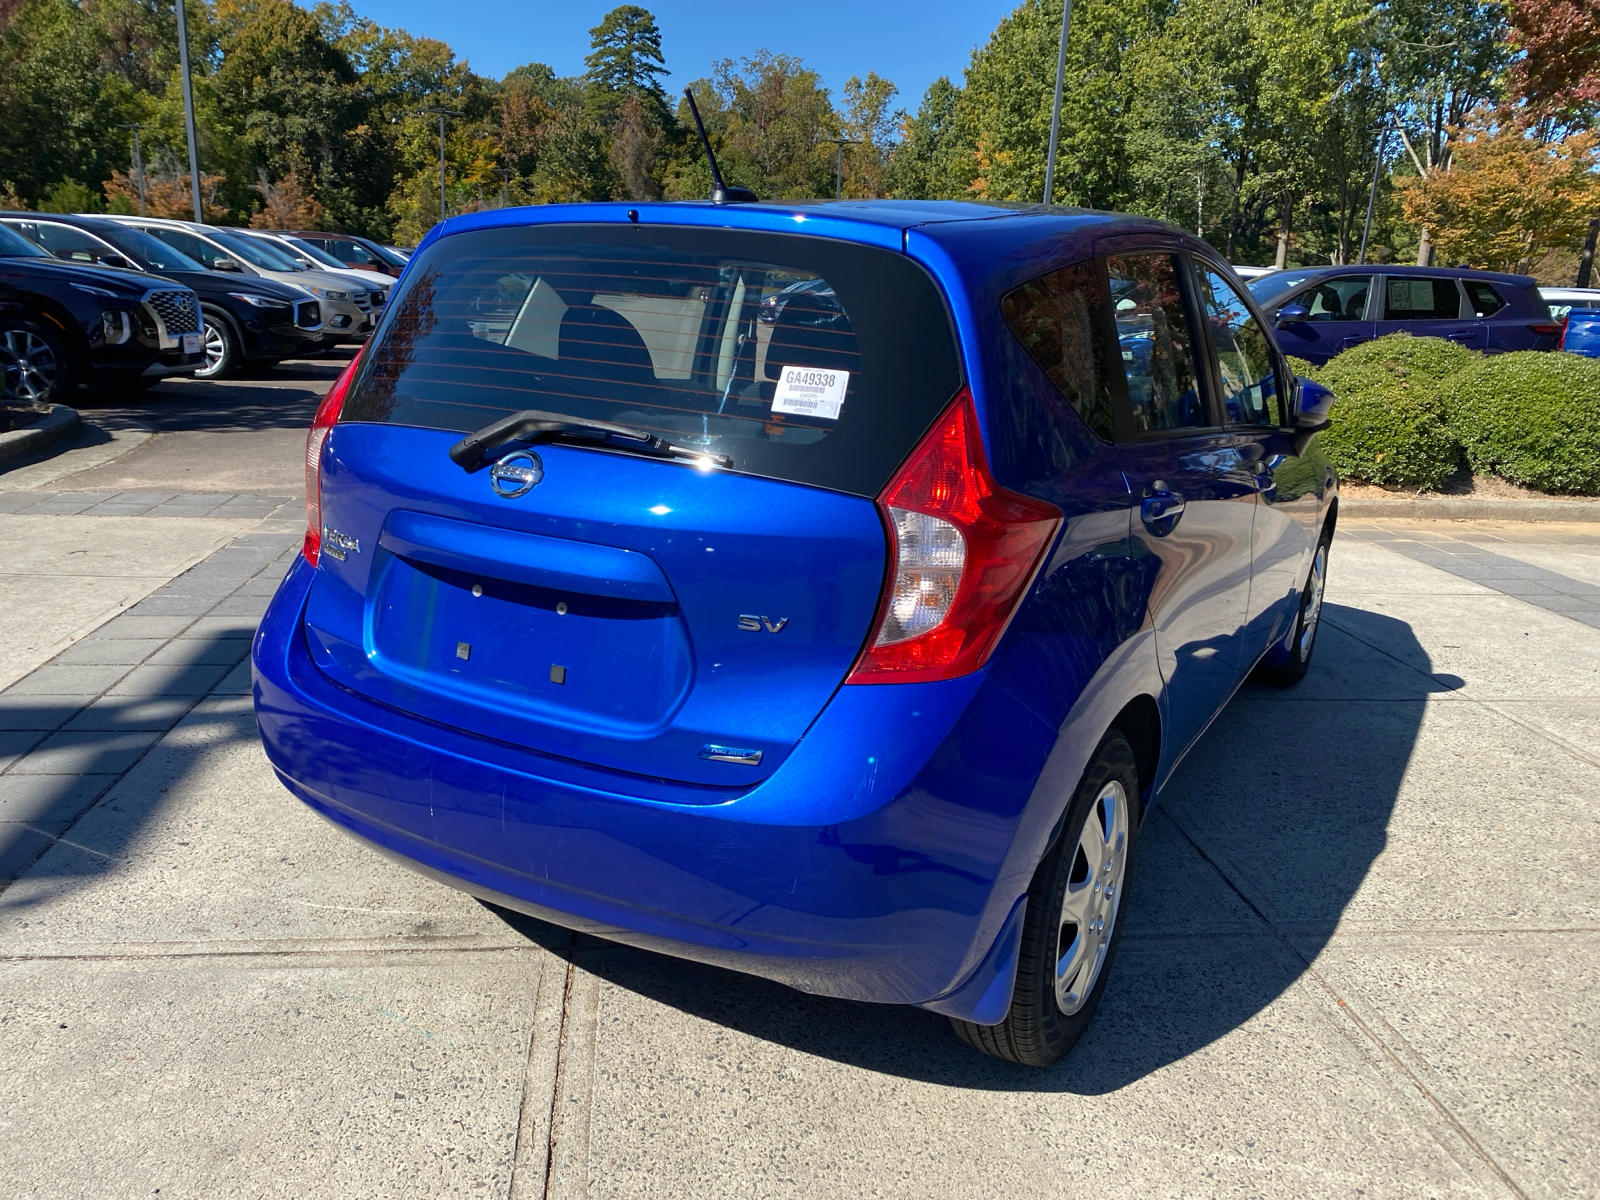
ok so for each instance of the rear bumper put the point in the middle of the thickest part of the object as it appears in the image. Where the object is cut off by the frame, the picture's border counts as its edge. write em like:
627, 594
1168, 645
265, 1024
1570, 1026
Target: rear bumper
876, 864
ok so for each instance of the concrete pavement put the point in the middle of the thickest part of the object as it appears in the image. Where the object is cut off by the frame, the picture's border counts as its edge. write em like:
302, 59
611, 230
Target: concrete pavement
1360, 954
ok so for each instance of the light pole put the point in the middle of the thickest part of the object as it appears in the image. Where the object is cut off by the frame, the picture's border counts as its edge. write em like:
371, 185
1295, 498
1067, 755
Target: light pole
138, 162
838, 170
1055, 111
505, 174
188, 114
441, 113
1372, 196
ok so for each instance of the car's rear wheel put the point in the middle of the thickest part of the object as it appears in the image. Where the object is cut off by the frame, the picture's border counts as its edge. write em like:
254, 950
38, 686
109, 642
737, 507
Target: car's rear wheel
1306, 623
33, 363
1070, 934
223, 353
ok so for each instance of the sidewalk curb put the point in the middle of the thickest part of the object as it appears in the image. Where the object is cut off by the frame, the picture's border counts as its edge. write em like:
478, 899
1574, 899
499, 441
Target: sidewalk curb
1440, 508
60, 422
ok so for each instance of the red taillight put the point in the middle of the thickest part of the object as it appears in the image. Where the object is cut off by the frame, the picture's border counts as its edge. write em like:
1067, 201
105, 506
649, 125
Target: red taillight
963, 550
1545, 328
1566, 324
321, 424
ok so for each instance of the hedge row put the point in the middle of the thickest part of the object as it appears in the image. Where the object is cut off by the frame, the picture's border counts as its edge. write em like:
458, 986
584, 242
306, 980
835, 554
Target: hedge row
1410, 409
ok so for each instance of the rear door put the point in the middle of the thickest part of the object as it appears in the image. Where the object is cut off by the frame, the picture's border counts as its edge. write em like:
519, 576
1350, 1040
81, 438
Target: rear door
1195, 492
665, 616
1430, 306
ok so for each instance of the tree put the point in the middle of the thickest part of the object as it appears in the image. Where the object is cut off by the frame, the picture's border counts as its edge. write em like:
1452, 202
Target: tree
1006, 104
1507, 198
930, 161
769, 119
286, 204
625, 59
870, 124
1557, 76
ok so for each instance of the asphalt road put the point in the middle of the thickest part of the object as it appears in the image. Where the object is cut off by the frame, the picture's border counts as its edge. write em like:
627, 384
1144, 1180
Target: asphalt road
245, 434
1362, 954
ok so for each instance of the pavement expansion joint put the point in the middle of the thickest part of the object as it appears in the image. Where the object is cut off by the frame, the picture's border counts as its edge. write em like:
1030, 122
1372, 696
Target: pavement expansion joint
1366, 1028
273, 948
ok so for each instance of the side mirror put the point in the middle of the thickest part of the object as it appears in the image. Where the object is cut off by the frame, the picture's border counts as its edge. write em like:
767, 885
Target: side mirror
1312, 404
1290, 314
116, 260
226, 264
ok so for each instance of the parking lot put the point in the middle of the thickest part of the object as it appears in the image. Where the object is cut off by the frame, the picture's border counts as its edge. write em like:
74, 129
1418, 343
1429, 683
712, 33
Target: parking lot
1360, 955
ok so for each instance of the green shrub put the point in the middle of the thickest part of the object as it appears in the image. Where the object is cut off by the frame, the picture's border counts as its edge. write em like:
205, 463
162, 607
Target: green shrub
1419, 359
1532, 417
1387, 429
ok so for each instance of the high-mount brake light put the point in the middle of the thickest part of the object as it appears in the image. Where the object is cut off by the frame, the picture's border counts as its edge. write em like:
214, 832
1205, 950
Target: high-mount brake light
316, 437
963, 551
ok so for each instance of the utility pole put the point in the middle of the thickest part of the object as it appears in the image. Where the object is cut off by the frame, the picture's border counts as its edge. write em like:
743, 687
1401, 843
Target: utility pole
1372, 196
138, 163
838, 169
1055, 111
441, 113
188, 114
505, 174
1586, 263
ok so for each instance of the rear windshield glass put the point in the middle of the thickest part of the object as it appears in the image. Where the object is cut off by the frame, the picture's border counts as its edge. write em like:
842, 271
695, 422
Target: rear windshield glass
799, 358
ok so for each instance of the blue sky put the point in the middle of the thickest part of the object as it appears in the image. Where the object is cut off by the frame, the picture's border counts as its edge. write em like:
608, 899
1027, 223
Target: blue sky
909, 43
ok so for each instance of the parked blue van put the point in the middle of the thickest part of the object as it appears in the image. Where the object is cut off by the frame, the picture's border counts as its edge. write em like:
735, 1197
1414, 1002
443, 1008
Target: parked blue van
821, 590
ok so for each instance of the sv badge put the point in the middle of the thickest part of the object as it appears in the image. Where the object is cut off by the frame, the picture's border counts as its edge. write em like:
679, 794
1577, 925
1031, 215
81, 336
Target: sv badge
754, 624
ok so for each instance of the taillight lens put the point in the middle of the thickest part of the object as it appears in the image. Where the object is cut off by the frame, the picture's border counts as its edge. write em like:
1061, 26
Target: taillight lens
1545, 328
964, 550
321, 425
1566, 324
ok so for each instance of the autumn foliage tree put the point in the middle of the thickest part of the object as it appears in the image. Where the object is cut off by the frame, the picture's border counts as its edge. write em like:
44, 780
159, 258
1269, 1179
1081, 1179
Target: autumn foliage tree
1557, 76
1508, 198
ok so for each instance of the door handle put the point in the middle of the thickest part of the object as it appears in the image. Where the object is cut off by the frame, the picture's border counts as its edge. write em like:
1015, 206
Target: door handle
1459, 337
1352, 340
1161, 508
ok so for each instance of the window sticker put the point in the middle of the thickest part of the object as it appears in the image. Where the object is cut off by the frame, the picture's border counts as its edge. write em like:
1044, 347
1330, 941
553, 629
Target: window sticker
809, 392
1411, 294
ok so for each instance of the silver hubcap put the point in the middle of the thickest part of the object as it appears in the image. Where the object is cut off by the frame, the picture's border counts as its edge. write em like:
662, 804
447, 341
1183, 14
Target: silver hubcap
1308, 624
216, 350
1093, 896
29, 364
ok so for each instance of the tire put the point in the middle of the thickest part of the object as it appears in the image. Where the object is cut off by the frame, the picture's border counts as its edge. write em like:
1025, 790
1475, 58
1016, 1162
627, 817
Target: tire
1306, 623
222, 347
1084, 875
33, 363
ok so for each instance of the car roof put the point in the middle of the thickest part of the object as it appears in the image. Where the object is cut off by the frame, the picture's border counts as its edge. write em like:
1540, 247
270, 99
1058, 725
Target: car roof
835, 216
1397, 270
1570, 293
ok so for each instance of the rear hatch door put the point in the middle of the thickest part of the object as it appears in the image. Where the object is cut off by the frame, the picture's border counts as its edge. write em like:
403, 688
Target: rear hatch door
684, 616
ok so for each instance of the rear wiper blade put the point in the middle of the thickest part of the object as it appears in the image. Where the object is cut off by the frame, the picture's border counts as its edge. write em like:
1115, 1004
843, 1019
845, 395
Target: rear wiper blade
534, 425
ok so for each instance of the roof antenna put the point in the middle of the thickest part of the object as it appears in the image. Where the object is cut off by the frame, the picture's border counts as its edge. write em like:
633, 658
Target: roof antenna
721, 193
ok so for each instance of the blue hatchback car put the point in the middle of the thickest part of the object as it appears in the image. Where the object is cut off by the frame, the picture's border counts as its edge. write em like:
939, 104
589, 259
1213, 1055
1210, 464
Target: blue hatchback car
823, 591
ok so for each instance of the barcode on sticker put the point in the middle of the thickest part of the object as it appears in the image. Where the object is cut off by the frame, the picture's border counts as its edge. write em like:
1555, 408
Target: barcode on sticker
809, 392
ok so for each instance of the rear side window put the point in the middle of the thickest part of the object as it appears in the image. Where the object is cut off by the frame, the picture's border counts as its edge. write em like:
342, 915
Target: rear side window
805, 359
1485, 300
1056, 319
1421, 300
1153, 335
